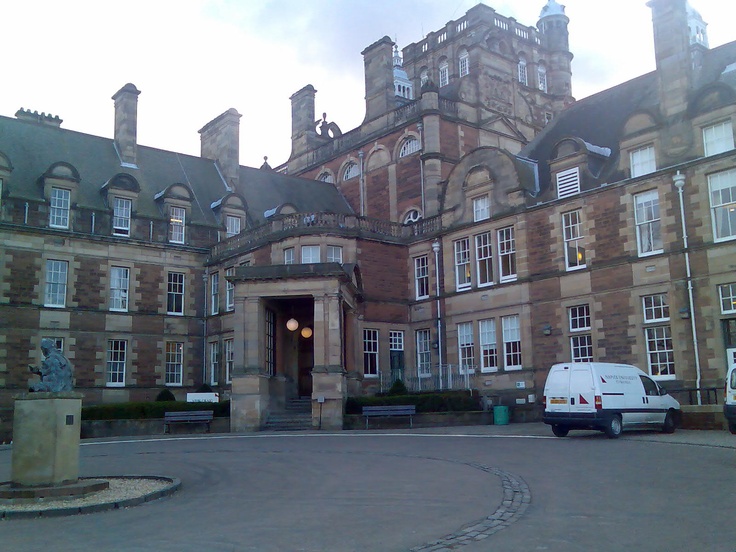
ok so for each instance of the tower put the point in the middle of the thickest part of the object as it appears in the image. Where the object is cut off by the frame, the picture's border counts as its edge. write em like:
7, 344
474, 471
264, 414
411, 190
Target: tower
552, 25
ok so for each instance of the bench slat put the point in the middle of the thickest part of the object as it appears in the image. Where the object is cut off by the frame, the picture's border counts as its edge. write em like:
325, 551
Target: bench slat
390, 410
188, 417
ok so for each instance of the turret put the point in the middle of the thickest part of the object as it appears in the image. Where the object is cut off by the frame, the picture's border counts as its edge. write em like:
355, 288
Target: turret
552, 26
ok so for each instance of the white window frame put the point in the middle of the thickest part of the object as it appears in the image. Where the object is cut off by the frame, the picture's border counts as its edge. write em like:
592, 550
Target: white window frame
409, 146
174, 371
371, 365
59, 205
718, 138
510, 326
310, 254
423, 75
119, 288
581, 341
581, 348
175, 293
122, 211
660, 352
444, 73
421, 277
522, 72
215, 293
424, 353
177, 224
116, 362
572, 234
648, 224
463, 62
656, 308
484, 259
542, 78
396, 340
57, 274
230, 290
334, 254
727, 295
289, 255
722, 193
351, 171
229, 355
488, 345
326, 177
214, 362
463, 279
232, 225
481, 208
465, 348
643, 161
506, 254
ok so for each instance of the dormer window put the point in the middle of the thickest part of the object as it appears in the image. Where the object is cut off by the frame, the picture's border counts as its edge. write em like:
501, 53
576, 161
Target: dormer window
177, 222
642, 161
481, 208
122, 208
60, 202
232, 226
718, 138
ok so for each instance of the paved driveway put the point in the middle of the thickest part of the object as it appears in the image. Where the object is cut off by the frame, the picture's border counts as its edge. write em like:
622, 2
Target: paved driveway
481, 488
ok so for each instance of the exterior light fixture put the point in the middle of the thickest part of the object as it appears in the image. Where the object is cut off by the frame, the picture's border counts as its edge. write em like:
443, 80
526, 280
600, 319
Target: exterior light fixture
292, 324
306, 332
547, 330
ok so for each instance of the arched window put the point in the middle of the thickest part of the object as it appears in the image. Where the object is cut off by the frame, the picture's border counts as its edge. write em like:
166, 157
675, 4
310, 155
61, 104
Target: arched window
351, 171
463, 61
423, 77
412, 216
326, 177
542, 77
522, 70
444, 73
409, 146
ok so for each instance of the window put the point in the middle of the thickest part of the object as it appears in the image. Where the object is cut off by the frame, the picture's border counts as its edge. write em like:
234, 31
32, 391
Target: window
409, 146
444, 73
507, 254
56, 274
230, 290
484, 259
660, 355
396, 354
232, 226
488, 348
116, 352
481, 208
722, 187
59, 208
572, 231
229, 359
542, 78
119, 282
270, 342
642, 161
424, 353
718, 138
648, 228
511, 342
463, 62
214, 362
177, 220
423, 76
326, 177
58, 343
421, 277
289, 255
175, 293
412, 216
174, 362
727, 293
462, 264
581, 345
351, 171
522, 70
214, 293
122, 208
310, 254
465, 347
568, 182
334, 254
370, 352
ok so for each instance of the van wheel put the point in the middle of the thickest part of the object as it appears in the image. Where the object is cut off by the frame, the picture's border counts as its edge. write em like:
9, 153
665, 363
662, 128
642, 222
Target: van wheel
560, 430
613, 427
669, 425
732, 427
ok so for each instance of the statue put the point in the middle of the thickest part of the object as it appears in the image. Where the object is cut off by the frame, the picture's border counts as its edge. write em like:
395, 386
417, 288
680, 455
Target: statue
55, 371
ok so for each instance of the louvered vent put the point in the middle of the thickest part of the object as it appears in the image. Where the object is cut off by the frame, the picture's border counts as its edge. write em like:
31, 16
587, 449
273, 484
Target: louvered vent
568, 183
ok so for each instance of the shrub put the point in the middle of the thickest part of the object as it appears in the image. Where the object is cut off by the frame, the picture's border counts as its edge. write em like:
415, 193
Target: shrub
447, 401
148, 410
398, 388
165, 395
204, 388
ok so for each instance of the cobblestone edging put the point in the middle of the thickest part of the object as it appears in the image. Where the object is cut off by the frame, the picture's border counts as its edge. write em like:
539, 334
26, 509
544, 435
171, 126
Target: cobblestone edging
516, 499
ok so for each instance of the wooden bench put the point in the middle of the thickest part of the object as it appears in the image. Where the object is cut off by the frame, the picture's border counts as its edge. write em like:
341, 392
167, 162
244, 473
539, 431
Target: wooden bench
188, 417
393, 410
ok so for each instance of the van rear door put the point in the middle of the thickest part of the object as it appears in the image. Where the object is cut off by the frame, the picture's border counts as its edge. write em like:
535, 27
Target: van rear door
582, 390
557, 389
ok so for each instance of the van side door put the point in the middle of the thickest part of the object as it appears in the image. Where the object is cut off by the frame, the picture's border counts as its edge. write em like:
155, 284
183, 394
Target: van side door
654, 409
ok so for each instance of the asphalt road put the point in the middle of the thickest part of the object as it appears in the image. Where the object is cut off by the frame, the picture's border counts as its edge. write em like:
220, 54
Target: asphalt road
403, 490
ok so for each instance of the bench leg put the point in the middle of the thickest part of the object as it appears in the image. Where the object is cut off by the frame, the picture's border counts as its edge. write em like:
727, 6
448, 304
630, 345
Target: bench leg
411, 422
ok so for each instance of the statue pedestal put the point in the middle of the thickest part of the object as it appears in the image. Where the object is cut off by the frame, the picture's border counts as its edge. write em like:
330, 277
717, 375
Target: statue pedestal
46, 431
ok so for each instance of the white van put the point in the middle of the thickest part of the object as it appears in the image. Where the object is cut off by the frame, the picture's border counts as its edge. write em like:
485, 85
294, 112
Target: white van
729, 401
607, 397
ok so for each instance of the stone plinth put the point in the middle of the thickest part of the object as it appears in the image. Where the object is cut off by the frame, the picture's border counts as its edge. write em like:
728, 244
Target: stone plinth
328, 398
46, 429
248, 401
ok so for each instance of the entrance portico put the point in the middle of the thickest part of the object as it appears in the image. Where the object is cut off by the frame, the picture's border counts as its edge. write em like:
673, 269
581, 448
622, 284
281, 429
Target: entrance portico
293, 324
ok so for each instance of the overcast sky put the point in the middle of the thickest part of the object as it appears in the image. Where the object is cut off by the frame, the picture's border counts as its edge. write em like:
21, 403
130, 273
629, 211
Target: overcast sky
194, 59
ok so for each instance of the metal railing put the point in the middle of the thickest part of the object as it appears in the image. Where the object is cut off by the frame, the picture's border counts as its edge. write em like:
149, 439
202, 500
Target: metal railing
445, 377
689, 395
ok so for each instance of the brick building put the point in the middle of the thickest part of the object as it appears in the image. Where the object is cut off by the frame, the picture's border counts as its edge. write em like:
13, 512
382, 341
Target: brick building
478, 226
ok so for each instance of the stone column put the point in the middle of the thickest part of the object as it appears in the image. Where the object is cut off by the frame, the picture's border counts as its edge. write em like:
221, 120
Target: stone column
328, 374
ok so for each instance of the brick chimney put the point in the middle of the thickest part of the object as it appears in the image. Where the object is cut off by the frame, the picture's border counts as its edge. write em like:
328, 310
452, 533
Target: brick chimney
126, 123
379, 78
220, 141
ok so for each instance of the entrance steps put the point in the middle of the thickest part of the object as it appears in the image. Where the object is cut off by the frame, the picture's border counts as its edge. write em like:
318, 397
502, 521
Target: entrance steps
296, 416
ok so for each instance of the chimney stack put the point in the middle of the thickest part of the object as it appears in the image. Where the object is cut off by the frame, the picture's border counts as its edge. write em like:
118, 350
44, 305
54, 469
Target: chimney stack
379, 78
220, 141
303, 123
126, 123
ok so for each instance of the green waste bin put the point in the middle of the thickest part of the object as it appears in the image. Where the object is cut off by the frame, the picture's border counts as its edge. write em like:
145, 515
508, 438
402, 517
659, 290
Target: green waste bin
500, 415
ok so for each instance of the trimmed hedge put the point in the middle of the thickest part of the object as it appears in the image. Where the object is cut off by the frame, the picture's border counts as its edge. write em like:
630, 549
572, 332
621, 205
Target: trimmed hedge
148, 410
450, 401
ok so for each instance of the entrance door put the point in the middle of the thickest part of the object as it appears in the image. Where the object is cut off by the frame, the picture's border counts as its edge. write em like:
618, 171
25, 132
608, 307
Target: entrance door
305, 363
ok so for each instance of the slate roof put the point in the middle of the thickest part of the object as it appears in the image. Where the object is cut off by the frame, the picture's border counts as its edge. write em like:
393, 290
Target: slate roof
33, 147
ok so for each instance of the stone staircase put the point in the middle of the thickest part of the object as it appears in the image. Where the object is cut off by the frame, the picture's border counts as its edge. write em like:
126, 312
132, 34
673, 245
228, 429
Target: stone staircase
296, 416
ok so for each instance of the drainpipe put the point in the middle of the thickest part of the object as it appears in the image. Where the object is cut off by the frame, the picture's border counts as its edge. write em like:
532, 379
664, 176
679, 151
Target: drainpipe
25, 214
93, 222
205, 278
420, 128
361, 184
679, 181
436, 249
